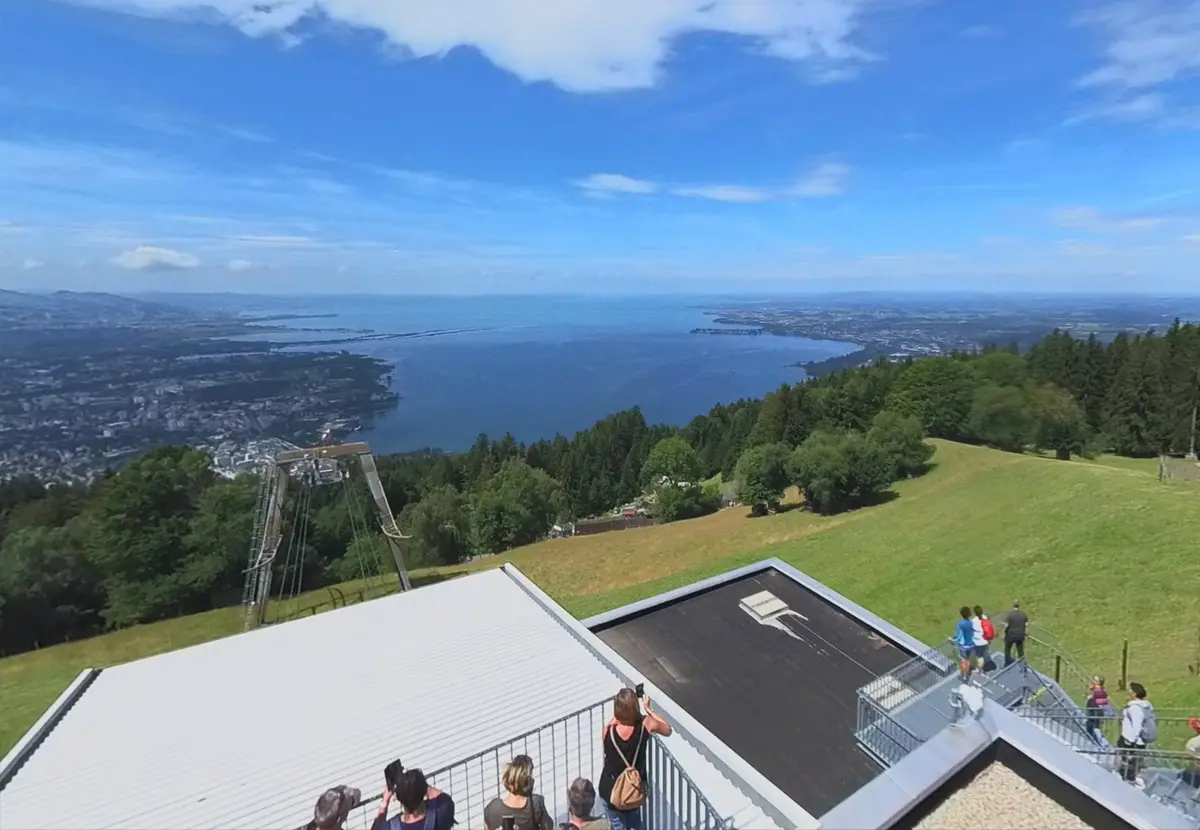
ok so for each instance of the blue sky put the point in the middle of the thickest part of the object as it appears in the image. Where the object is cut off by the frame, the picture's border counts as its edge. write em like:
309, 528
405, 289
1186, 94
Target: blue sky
483, 146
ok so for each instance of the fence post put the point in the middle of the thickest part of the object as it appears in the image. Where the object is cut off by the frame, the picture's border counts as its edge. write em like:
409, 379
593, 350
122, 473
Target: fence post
1057, 667
1124, 665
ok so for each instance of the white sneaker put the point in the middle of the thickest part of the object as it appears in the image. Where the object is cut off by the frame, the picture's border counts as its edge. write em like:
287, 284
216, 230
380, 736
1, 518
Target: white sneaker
1139, 782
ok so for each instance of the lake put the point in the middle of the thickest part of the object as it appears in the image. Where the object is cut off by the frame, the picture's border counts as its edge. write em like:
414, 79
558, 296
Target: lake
537, 366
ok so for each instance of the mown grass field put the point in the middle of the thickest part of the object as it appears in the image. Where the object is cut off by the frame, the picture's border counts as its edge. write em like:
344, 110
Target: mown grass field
1097, 551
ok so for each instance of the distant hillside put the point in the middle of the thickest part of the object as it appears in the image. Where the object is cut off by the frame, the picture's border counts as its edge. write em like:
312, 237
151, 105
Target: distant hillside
1096, 551
83, 307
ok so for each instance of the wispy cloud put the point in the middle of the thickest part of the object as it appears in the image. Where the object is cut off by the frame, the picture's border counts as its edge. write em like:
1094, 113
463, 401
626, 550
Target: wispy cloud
826, 179
81, 101
239, 265
150, 258
271, 241
615, 183
1089, 218
1147, 45
30, 263
983, 31
725, 193
614, 44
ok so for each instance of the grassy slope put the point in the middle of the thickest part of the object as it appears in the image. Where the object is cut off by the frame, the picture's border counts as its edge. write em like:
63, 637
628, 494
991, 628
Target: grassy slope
1096, 551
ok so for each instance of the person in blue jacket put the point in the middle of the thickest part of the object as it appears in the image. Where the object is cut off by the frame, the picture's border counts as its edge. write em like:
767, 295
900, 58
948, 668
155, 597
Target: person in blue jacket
964, 639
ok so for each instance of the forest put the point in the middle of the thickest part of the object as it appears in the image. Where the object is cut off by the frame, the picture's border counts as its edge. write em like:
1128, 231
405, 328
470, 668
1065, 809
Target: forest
165, 536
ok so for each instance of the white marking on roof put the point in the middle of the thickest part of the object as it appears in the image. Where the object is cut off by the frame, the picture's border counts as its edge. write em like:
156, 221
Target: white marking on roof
767, 609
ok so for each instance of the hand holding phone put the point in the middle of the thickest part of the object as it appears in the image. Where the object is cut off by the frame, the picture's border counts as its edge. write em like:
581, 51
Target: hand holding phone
640, 690
509, 822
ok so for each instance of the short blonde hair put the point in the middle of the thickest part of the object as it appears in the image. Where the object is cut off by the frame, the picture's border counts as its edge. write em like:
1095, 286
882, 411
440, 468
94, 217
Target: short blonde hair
518, 776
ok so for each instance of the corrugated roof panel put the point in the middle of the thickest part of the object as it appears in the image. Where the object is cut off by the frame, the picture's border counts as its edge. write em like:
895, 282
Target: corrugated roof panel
247, 731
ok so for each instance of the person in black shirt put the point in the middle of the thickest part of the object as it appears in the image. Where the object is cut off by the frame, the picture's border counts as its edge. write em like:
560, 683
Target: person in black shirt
1015, 623
624, 738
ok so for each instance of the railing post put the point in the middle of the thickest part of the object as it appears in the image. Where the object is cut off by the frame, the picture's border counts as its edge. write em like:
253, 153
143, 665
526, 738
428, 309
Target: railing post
1057, 668
1124, 665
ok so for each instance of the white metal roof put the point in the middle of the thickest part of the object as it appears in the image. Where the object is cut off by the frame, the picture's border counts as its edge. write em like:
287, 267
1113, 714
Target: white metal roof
247, 731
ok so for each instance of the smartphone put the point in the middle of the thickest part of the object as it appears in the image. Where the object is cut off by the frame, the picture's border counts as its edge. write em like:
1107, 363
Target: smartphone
640, 690
509, 822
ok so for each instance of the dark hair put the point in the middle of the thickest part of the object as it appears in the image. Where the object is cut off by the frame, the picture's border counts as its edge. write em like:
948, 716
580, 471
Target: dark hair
626, 709
581, 798
392, 773
411, 789
1139, 691
978, 610
966, 612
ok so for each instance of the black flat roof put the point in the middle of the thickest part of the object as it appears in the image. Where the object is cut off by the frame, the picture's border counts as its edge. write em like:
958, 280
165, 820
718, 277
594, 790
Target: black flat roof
783, 700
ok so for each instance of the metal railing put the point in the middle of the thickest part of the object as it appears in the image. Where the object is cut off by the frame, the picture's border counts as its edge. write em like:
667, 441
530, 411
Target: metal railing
1171, 778
912, 678
563, 750
1174, 727
881, 734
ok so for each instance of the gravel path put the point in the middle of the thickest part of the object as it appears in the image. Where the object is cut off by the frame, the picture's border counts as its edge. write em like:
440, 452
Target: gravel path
998, 797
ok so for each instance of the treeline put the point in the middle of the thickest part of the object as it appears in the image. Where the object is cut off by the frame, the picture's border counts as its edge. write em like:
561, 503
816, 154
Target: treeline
165, 536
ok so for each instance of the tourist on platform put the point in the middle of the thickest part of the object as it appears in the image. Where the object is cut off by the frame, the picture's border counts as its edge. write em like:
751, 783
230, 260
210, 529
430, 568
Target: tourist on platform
527, 809
623, 785
581, 803
964, 641
1139, 729
422, 806
333, 808
1015, 623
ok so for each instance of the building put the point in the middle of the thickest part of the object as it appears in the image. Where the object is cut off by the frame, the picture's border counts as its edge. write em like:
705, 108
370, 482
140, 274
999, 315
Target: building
792, 707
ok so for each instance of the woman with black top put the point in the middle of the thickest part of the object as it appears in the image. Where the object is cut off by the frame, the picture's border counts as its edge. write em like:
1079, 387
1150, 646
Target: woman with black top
624, 739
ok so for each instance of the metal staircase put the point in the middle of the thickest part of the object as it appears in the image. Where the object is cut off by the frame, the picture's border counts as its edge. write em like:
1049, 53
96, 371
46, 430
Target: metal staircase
899, 711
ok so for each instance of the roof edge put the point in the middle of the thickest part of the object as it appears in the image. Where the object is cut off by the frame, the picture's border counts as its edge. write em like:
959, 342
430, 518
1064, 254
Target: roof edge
897, 790
32, 739
839, 601
772, 800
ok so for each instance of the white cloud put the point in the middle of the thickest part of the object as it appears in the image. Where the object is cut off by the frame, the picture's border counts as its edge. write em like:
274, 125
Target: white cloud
579, 45
725, 193
827, 179
1088, 218
1148, 42
268, 241
983, 31
1192, 238
30, 263
615, 183
243, 134
149, 258
240, 265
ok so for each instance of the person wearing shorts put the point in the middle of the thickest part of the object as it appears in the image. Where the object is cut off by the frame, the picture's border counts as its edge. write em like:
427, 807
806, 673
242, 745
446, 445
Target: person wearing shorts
964, 639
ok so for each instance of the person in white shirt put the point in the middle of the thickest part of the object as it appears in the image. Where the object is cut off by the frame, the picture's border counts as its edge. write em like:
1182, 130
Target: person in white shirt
981, 642
1134, 720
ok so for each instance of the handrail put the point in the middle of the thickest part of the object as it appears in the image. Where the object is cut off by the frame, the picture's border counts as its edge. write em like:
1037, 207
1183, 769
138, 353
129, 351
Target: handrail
491, 750
474, 781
